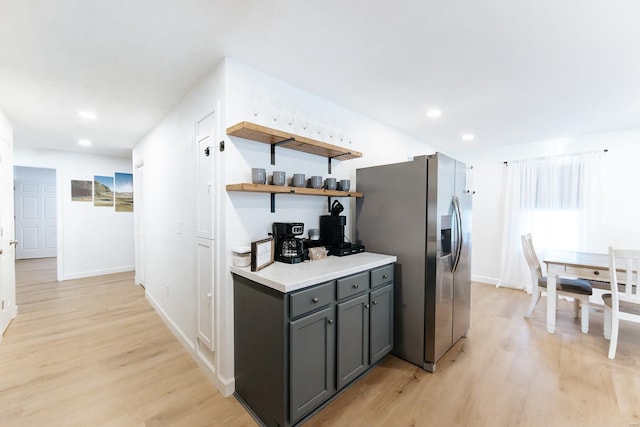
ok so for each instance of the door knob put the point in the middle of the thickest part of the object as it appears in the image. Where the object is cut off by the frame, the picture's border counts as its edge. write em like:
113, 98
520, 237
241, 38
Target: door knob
13, 242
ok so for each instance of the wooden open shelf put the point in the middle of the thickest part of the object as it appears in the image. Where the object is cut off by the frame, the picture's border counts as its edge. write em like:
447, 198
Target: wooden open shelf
275, 137
281, 189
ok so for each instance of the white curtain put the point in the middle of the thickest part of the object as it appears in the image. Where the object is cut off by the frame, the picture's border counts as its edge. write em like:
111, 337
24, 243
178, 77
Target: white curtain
556, 199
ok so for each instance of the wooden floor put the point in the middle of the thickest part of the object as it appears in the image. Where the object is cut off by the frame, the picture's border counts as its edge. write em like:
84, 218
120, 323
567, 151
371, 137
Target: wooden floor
92, 352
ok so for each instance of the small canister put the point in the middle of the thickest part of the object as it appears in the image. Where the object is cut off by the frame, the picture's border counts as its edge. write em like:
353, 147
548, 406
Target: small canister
241, 256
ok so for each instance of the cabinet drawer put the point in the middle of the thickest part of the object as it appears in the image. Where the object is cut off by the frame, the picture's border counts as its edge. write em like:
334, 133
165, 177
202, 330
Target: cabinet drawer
353, 285
310, 299
588, 273
381, 275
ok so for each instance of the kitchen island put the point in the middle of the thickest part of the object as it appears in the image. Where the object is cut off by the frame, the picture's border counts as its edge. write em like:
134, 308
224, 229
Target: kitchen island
304, 332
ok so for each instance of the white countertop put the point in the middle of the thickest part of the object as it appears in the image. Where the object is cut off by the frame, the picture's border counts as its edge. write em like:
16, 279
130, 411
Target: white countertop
290, 277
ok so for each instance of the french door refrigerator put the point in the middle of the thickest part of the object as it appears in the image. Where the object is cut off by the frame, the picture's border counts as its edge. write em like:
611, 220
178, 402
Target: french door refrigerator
420, 211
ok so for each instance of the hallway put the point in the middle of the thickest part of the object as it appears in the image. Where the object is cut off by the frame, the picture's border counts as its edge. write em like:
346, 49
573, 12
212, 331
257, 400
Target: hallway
93, 352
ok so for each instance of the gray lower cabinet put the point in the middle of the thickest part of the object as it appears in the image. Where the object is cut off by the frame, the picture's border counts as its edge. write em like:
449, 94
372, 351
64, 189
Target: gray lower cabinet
294, 351
381, 321
353, 339
312, 362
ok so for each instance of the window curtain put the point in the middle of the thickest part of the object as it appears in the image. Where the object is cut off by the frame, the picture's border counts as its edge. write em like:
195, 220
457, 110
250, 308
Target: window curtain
557, 199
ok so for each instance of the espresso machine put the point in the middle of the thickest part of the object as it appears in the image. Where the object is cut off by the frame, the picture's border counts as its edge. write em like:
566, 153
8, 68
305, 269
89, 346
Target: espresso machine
288, 246
332, 232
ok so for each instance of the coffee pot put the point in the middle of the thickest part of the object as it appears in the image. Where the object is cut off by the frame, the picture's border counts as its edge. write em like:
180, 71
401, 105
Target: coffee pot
288, 247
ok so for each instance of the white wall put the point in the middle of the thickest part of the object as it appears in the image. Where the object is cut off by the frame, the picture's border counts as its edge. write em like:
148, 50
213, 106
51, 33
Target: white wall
91, 240
248, 215
620, 226
6, 131
167, 154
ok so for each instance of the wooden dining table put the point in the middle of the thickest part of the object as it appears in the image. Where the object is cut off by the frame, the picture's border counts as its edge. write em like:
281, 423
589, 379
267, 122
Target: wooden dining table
580, 265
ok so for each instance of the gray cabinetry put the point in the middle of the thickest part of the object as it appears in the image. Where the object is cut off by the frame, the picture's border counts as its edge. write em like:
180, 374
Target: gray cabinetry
381, 313
353, 339
312, 363
295, 350
381, 319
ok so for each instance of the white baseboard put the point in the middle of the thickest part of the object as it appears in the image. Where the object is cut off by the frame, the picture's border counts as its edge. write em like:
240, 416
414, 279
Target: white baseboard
184, 340
487, 280
93, 273
225, 386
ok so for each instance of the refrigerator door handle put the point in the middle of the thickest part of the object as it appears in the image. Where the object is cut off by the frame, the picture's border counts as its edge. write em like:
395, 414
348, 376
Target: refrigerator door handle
458, 217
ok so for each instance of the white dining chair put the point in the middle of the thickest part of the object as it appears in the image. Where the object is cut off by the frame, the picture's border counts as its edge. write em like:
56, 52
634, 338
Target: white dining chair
578, 289
623, 303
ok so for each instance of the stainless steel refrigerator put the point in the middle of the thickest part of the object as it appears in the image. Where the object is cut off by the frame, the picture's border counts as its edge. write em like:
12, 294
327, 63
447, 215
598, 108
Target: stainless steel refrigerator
420, 211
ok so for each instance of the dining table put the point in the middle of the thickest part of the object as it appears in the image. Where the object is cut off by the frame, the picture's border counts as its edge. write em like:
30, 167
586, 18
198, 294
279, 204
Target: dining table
593, 267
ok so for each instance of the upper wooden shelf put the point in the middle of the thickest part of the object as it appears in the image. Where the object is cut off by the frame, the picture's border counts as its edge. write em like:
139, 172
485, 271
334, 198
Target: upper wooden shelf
291, 141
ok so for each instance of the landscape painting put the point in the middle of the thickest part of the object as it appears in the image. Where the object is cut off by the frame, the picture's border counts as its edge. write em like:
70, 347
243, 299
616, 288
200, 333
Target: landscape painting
102, 190
81, 191
124, 192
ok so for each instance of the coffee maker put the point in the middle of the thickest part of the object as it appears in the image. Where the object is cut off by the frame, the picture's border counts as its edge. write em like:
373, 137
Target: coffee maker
332, 232
288, 247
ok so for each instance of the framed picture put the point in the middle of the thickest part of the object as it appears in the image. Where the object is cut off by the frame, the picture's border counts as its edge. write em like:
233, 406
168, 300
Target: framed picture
81, 191
102, 190
124, 192
261, 254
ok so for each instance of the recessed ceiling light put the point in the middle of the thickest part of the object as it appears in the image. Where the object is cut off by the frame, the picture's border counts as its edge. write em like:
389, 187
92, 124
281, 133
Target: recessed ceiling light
84, 142
434, 113
468, 137
86, 114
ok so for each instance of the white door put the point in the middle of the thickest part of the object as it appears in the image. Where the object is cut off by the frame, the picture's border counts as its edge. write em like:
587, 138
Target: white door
205, 149
204, 249
35, 212
8, 308
205, 153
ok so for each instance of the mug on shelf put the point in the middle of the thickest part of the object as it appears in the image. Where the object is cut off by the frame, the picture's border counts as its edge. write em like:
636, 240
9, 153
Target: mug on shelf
298, 180
344, 185
330, 183
258, 176
315, 182
279, 178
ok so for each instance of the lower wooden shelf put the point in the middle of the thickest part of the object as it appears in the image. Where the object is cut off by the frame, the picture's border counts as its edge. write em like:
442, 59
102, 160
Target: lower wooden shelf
282, 189
265, 188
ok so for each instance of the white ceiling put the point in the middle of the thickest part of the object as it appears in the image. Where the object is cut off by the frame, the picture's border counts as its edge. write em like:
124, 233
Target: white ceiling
507, 71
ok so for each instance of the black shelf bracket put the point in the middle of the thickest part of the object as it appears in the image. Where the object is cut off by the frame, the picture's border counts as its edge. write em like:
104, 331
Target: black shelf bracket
335, 157
273, 149
273, 202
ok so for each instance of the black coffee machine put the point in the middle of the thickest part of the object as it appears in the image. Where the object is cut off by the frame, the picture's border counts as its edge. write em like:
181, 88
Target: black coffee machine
288, 247
332, 232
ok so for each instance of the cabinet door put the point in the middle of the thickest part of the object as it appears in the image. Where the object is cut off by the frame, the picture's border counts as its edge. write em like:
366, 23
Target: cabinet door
205, 292
381, 327
205, 133
353, 339
312, 362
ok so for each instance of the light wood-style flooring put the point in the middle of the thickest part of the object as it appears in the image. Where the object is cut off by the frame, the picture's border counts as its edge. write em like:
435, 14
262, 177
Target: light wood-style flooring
92, 352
